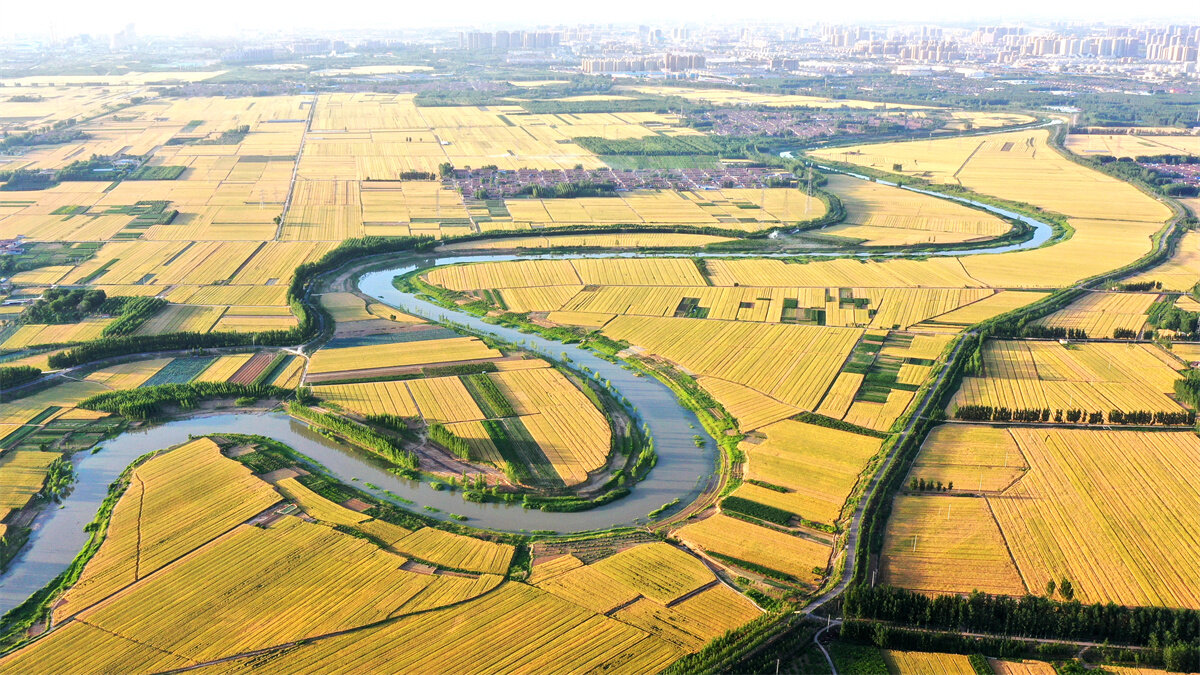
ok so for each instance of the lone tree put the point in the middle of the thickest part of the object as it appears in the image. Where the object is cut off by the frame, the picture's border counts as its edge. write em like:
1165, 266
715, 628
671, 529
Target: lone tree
1065, 589
1050, 588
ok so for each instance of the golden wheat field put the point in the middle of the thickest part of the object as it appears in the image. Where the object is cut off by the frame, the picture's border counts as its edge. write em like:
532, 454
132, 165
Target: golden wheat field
940, 544
739, 539
22, 474
980, 459
1132, 145
1095, 377
1112, 220
1105, 509
881, 215
981, 310
750, 408
572, 433
402, 354
1124, 501
926, 663
791, 364
1099, 314
66, 395
515, 627
816, 466
174, 487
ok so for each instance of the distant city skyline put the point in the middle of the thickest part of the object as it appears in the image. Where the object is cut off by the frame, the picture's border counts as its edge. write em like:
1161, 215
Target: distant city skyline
227, 17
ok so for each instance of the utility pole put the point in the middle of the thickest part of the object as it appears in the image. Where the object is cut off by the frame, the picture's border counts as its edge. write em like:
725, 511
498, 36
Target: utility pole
808, 189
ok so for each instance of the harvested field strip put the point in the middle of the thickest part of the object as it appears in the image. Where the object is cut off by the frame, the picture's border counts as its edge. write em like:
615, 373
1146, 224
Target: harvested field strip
252, 369
223, 368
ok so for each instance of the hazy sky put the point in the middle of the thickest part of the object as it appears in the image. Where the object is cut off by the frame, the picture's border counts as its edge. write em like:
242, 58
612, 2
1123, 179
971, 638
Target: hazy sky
226, 16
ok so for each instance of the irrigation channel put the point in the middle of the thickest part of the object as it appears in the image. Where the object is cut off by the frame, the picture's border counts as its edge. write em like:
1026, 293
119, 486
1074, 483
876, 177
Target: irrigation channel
681, 473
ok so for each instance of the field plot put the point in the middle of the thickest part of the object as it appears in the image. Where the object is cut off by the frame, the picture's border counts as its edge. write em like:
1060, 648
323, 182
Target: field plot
846, 273
194, 494
345, 307
810, 470
750, 408
971, 458
941, 544
22, 473
571, 432
1132, 145
403, 354
223, 368
655, 587
1030, 668
981, 310
1094, 377
455, 551
444, 399
514, 628
1115, 512
791, 364
927, 663
317, 506
1129, 503
182, 319
888, 216
127, 375
1099, 314
48, 401
1181, 271
794, 556
370, 398
34, 334
1113, 220
732, 209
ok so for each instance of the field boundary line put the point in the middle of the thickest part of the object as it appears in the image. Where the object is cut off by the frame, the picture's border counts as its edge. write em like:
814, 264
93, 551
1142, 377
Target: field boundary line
966, 161
287, 201
171, 563
136, 642
137, 557
1007, 547
324, 636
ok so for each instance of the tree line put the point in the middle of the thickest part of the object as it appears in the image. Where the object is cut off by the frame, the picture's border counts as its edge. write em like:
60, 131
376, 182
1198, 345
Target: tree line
1028, 616
987, 413
148, 402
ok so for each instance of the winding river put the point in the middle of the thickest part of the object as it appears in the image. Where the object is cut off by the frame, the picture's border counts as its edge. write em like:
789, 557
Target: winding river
681, 473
